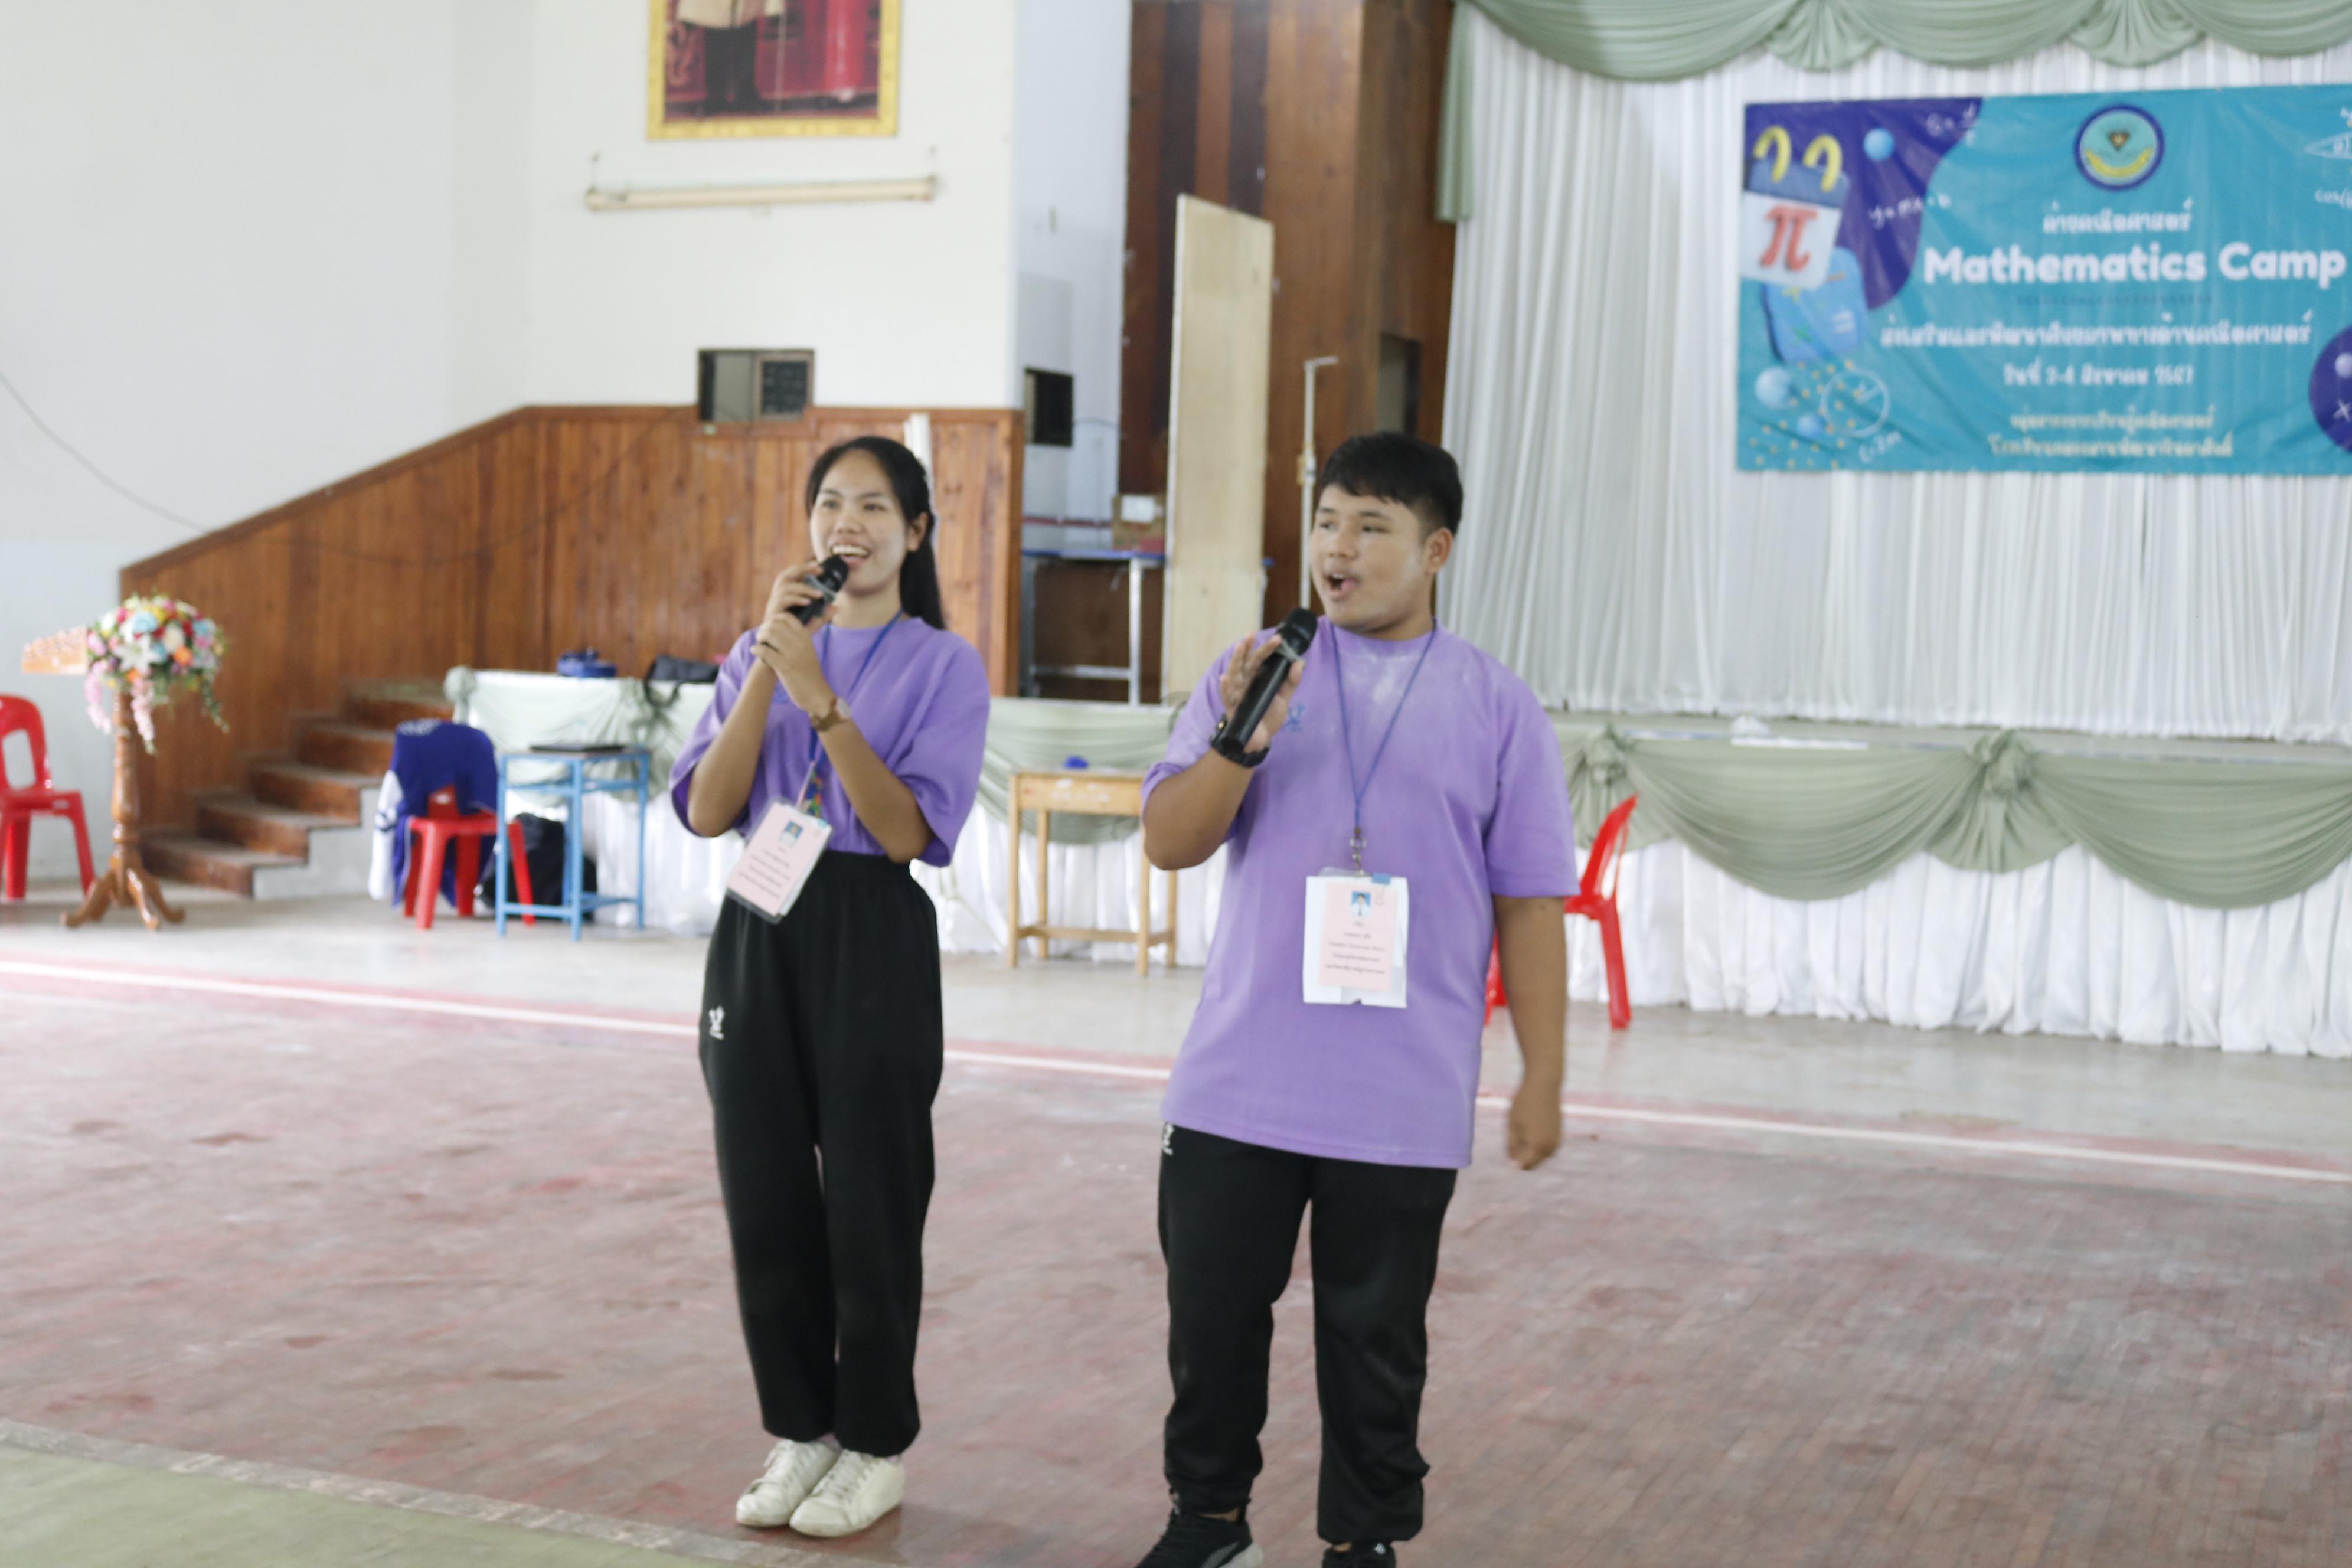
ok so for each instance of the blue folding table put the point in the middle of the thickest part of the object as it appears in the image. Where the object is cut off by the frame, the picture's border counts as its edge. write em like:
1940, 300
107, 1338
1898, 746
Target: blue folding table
629, 771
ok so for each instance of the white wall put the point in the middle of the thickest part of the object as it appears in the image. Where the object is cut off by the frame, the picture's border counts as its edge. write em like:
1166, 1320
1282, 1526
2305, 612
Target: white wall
236, 252
1069, 201
904, 302
255, 245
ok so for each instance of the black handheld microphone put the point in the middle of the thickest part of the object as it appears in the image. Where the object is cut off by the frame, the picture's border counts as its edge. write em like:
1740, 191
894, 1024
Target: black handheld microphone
1291, 640
827, 580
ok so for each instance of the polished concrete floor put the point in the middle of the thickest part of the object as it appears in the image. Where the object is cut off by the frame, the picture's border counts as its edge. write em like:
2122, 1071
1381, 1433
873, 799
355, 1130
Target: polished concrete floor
1946, 1077
296, 1275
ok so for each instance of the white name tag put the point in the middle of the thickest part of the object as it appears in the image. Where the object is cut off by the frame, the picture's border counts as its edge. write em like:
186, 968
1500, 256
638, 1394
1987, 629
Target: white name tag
776, 863
1356, 940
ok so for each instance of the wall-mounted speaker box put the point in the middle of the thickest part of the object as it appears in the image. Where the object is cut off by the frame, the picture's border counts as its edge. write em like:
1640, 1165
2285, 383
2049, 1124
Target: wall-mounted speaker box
1052, 401
736, 386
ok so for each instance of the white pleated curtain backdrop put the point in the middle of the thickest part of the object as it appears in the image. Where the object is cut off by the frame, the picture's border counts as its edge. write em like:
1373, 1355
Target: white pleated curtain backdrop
2066, 948
1612, 556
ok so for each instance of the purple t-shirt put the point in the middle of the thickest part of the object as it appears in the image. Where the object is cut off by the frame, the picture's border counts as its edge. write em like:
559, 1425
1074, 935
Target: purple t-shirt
921, 704
1469, 803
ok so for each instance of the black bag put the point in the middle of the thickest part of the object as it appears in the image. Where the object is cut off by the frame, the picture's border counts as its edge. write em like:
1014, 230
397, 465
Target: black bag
680, 673
542, 851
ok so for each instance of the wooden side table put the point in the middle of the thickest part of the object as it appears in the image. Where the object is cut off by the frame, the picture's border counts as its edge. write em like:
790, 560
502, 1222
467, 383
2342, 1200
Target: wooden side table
1081, 793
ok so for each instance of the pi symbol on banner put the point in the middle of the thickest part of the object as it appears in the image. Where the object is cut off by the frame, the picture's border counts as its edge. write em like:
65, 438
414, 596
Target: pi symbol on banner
1788, 213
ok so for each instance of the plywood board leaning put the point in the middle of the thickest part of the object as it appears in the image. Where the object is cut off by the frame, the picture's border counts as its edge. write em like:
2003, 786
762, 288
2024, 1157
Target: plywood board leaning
1216, 438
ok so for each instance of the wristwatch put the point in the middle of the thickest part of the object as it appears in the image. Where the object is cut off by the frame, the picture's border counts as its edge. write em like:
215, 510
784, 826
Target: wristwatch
1230, 748
838, 713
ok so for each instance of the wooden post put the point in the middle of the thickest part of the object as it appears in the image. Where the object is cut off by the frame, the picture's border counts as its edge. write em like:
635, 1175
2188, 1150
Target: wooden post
1172, 919
1045, 870
126, 879
1142, 904
1012, 874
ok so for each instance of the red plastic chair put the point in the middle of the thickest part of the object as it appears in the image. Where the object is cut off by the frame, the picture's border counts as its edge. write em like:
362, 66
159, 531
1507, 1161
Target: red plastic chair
1596, 899
431, 835
21, 805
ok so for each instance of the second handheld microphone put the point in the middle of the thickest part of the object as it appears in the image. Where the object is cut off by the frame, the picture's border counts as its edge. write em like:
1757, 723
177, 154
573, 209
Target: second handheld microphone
1291, 641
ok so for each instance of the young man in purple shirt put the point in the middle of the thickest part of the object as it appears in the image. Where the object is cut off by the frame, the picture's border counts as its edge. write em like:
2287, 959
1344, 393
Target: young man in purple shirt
1401, 807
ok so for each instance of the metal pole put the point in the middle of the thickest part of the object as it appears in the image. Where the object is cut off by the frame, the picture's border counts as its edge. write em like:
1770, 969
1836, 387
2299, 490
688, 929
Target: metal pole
1306, 483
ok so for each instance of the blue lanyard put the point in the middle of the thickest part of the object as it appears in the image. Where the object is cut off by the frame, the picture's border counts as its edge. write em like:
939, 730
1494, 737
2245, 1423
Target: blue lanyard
824, 640
1348, 740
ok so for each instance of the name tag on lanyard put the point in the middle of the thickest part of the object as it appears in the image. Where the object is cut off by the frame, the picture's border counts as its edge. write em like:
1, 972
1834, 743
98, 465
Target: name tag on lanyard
782, 852
1356, 928
790, 840
1356, 921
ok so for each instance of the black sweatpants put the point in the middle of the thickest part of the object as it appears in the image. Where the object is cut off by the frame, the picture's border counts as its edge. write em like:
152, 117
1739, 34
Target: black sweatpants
1229, 1216
820, 1047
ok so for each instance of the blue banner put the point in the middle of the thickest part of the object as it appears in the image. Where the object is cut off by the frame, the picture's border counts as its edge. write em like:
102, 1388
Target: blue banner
2149, 281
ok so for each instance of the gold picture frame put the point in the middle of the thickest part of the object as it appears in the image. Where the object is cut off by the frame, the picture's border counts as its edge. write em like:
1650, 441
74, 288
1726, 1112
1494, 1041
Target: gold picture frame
768, 77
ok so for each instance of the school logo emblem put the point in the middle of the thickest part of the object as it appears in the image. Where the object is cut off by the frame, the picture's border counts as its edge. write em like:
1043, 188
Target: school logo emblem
2119, 147
2331, 389
717, 1030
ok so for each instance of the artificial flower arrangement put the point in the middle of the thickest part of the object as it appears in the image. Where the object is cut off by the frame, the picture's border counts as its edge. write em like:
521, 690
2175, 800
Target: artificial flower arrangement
157, 649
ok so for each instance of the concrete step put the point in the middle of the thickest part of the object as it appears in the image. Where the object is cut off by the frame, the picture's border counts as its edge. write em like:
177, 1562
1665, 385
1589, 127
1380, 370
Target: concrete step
249, 823
387, 704
345, 747
301, 786
182, 857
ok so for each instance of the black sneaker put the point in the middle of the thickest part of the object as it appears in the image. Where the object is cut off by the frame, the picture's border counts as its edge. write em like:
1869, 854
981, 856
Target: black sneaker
1193, 1540
1362, 1554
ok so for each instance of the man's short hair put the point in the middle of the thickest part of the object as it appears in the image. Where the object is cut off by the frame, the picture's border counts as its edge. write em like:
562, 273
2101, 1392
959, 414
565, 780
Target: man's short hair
1389, 466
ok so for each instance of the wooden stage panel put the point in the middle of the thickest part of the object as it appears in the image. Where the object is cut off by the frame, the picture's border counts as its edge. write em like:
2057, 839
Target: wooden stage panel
636, 531
1216, 453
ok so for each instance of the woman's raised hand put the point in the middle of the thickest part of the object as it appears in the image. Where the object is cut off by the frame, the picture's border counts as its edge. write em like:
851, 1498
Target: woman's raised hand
788, 649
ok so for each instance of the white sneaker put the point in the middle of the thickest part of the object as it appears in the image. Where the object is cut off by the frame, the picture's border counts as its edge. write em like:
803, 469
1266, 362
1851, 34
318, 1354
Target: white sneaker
793, 1471
857, 1490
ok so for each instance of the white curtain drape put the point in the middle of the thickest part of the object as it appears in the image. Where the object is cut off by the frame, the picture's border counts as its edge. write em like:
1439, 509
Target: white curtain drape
1612, 556
2067, 947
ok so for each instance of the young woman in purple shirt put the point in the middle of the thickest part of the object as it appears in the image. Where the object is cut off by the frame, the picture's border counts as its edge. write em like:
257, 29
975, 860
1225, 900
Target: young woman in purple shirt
1293, 1095
822, 1036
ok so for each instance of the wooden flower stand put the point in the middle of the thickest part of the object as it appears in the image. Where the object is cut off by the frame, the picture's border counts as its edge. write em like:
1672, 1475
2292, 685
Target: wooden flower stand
126, 879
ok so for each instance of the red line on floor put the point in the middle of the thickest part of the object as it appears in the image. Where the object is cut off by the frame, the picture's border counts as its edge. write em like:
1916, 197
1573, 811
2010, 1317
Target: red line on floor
2089, 1149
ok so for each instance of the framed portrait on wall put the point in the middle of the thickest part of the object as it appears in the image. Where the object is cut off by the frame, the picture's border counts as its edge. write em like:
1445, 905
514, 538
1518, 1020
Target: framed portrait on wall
775, 68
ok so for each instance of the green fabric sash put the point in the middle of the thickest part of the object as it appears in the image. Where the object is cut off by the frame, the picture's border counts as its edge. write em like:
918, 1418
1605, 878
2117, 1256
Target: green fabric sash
1659, 40
1800, 822
1807, 823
